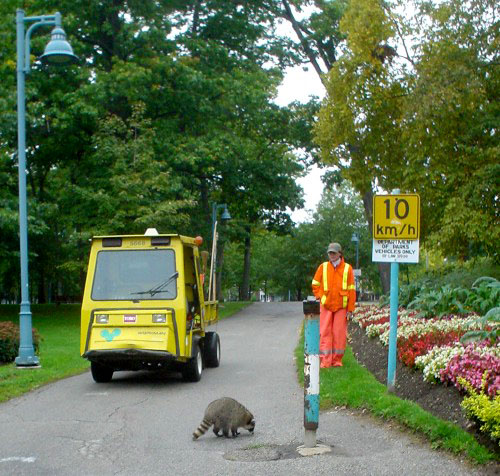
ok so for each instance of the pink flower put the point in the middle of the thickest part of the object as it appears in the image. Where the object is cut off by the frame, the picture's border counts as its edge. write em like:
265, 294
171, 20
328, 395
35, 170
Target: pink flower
473, 367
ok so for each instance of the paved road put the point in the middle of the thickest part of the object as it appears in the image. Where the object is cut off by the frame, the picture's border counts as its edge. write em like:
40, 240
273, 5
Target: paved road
141, 423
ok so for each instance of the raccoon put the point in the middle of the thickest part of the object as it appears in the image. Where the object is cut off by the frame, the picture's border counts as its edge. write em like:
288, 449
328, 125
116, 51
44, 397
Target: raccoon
225, 414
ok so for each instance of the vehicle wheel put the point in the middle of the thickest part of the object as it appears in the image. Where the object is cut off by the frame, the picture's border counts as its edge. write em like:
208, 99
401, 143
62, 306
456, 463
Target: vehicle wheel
211, 349
193, 367
101, 373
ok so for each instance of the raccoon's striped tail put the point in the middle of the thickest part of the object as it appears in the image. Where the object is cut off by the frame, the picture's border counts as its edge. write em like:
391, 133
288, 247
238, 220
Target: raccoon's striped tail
202, 429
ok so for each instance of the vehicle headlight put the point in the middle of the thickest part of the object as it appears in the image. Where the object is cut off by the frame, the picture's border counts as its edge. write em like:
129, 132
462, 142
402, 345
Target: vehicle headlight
101, 318
159, 318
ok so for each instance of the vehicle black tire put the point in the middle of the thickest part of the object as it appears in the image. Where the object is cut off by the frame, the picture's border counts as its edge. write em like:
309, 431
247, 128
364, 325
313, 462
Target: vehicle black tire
192, 369
211, 349
101, 373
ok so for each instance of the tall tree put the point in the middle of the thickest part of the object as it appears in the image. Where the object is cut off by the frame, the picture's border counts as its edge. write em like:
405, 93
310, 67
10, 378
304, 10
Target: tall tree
395, 118
451, 127
358, 128
168, 103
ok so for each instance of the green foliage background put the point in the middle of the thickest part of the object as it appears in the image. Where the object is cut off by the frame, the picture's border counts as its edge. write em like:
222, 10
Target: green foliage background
171, 108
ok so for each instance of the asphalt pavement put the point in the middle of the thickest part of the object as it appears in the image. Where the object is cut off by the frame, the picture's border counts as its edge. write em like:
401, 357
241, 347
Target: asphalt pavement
141, 422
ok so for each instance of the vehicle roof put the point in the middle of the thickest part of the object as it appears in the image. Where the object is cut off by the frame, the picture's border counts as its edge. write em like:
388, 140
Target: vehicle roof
184, 239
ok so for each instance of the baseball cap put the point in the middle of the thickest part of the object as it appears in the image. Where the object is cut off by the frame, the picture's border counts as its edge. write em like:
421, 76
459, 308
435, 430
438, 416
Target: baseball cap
334, 247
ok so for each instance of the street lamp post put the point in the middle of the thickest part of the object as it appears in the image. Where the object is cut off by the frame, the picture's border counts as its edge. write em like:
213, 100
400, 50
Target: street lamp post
225, 216
355, 239
57, 51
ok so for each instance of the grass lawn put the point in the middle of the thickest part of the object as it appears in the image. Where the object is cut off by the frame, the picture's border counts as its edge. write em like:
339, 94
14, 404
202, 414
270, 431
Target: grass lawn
59, 328
354, 387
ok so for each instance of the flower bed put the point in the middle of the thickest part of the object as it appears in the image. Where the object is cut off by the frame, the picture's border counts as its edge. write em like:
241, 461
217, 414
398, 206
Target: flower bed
433, 347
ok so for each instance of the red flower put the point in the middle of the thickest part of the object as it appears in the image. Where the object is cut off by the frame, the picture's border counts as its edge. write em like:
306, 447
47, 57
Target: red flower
409, 348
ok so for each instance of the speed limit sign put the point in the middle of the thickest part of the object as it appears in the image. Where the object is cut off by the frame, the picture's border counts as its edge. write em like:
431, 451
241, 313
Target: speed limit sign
396, 217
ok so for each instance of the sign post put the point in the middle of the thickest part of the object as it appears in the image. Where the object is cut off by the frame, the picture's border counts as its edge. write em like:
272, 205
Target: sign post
396, 231
393, 328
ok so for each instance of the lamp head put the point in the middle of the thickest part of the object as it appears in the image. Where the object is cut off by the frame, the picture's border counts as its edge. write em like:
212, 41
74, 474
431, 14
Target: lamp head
58, 50
225, 214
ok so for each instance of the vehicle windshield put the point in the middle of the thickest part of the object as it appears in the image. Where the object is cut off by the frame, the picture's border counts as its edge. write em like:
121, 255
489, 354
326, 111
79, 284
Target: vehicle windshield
135, 274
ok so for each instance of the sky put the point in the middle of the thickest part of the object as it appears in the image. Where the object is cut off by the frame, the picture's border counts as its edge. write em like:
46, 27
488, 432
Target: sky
298, 85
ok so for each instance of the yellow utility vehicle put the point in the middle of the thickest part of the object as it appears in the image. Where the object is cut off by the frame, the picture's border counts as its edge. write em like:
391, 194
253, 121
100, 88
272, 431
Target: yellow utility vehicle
144, 306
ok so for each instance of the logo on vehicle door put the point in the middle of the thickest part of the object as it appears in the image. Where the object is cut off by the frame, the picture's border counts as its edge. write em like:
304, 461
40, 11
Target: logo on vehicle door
109, 336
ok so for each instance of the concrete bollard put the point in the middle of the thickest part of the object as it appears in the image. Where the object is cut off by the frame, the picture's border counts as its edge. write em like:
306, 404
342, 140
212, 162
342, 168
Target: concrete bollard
311, 370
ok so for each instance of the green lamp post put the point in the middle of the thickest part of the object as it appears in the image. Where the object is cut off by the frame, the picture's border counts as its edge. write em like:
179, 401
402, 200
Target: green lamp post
57, 51
225, 214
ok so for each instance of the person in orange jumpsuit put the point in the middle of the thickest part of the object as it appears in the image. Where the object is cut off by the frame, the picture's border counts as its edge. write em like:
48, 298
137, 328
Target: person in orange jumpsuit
333, 285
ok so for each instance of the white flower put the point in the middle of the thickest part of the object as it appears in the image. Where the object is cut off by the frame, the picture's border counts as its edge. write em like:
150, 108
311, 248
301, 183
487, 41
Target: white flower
436, 359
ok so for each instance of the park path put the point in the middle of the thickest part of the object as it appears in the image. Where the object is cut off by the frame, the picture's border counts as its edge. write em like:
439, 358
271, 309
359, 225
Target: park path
141, 423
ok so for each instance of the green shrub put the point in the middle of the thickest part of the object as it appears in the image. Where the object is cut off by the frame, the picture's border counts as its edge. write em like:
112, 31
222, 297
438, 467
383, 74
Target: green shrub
479, 407
489, 328
434, 301
462, 274
408, 292
454, 273
485, 295
9, 341
465, 274
441, 301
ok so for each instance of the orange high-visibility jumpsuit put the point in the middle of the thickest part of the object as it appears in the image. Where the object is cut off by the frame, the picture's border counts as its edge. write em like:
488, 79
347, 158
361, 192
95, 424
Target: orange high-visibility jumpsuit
335, 288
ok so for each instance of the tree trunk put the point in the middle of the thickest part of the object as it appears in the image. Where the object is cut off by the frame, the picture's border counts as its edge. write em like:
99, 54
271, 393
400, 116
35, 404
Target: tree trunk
384, 269
206, 211
245, 285
325, 51
41, 288
299, 294
304, 42
196, 19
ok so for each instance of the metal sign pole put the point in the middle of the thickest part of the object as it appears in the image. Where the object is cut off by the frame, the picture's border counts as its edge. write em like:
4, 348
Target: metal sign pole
393, 329
396, 231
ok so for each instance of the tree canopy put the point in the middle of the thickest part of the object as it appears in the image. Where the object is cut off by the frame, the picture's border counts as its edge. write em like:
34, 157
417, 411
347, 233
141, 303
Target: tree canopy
413, 104
284, 265
171, 109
